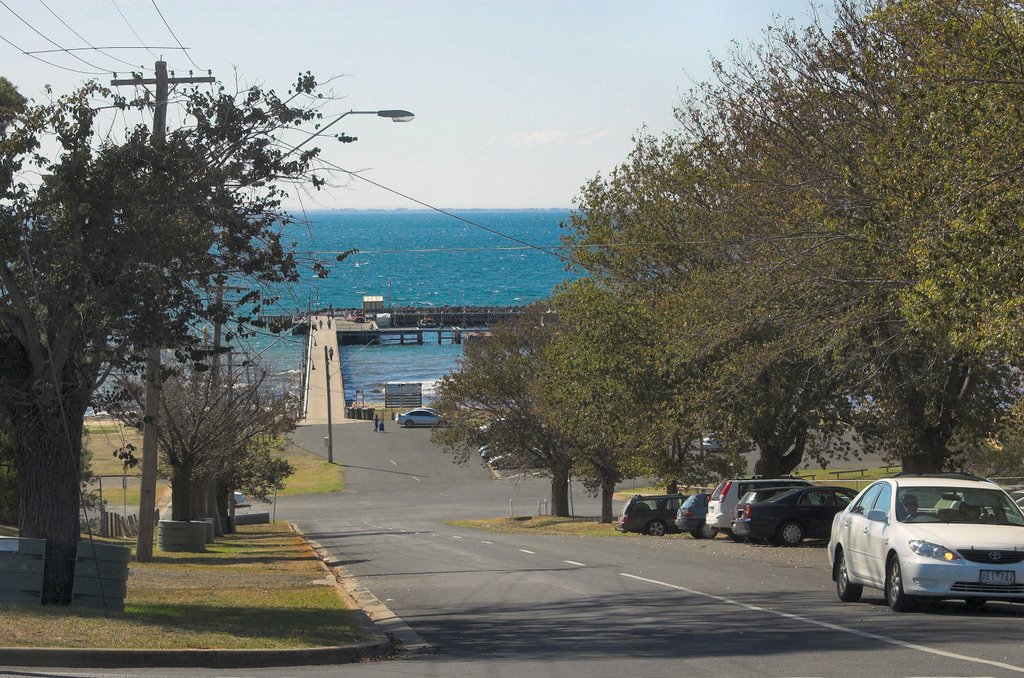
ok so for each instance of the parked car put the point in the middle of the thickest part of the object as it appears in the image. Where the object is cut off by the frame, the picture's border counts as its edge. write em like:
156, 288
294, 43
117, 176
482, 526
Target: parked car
790, 516
652, 514
423, 416
758, 495
722, 506
240, 500
929, 536
690, 517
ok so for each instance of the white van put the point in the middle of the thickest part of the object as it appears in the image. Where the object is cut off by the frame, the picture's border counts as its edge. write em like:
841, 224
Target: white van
722, 505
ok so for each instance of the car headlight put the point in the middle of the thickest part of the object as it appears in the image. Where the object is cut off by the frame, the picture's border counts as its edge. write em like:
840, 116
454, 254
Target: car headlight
930, 550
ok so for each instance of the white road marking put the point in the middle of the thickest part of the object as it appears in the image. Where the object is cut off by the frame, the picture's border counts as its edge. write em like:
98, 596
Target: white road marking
834, 627
573, 562
393, 462
487, 542
525, 551
455, 536
416, 479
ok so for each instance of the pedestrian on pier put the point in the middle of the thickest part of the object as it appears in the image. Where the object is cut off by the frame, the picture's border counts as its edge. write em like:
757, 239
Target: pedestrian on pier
376, 423
321, 323
328, 323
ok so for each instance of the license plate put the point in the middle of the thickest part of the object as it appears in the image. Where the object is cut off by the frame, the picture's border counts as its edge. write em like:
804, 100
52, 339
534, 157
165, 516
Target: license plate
997, 577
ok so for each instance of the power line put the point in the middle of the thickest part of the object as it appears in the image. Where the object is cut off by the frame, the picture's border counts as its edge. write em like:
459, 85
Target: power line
82, 38
132, 29
171, 31
469, 222
44, 37
50, 63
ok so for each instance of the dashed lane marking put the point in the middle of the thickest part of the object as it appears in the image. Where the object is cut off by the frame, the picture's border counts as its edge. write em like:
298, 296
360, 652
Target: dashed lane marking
833, 627
530, 552
573, 562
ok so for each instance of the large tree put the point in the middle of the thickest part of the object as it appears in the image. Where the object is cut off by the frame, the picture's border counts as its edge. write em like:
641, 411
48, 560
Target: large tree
108, 244
490, 401
837, 217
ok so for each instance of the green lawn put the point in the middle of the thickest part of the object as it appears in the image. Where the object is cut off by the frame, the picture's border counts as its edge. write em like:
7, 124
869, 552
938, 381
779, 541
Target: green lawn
261, 588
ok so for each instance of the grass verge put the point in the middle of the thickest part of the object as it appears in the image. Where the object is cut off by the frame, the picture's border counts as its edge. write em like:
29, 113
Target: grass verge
261, 588
313, 475
542, 525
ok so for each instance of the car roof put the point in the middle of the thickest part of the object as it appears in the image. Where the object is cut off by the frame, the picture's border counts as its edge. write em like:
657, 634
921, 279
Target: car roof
939, 481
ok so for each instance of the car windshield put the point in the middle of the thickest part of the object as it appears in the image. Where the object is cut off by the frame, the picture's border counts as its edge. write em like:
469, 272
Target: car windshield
975, 506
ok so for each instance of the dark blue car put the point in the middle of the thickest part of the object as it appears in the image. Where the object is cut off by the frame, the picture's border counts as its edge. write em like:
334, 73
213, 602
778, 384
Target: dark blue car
690, 517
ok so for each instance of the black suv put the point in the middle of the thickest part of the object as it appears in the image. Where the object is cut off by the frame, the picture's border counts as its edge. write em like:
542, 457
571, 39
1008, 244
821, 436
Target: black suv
653, 514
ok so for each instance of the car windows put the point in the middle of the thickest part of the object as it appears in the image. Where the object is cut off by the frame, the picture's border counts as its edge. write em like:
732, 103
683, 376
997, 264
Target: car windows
818, 498
884, 500
867, 500
970, 505
717, 494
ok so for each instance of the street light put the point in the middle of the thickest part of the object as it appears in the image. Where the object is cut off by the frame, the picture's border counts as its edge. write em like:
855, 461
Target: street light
395, 114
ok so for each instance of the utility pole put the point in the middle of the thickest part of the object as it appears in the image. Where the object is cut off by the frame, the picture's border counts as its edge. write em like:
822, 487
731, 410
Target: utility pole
147, 494
330, 432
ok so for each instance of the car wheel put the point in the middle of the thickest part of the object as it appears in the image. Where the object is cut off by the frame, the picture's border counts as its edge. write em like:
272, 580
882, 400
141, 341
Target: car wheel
408, 423
847, 592
656, 528
895, 596
790, 533
975, 604
707, 531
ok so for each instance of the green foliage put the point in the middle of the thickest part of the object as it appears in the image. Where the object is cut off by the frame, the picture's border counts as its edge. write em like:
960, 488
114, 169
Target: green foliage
831, 236
490, 401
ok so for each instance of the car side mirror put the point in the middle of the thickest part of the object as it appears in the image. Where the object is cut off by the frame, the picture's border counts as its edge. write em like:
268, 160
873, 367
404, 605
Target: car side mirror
878, 516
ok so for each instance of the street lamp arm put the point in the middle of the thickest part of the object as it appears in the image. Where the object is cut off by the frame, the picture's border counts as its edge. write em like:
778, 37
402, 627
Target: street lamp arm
396, 115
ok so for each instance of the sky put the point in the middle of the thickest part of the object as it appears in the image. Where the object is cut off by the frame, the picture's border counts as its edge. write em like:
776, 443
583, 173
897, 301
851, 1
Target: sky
518, 103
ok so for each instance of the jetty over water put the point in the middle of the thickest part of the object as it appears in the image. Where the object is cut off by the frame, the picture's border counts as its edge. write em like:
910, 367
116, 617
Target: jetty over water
330, 329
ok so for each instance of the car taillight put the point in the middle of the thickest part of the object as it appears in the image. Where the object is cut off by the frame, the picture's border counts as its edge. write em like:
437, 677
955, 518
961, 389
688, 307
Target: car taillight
746, 511
725, 490
687, 513
622, 519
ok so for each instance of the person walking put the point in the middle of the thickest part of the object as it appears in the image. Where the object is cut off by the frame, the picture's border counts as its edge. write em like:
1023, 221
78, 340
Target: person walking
376, 422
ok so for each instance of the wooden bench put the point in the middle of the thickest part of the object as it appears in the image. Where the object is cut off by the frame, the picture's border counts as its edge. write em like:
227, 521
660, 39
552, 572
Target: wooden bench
861, 471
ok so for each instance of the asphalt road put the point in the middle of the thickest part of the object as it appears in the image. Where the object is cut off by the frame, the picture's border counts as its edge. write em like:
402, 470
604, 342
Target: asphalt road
512, 605
495, 605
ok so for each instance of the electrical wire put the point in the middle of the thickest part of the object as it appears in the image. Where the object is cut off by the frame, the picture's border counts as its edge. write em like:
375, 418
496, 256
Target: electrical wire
82, 38
47, 39
50, 63
132, 29
171, 31
469, 222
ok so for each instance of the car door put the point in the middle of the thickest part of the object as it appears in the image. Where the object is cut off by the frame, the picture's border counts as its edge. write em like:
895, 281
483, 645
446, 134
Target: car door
853, 531
813, 509
876, 543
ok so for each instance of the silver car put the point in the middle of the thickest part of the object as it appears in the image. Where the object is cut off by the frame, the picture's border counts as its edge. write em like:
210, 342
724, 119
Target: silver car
423, 416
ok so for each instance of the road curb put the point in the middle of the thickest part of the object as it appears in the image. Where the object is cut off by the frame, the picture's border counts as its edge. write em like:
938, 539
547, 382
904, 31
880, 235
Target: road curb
110, 658
381, 616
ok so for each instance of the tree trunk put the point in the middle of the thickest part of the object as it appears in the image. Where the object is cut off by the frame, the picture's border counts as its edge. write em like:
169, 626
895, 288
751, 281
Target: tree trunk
560, 492
48, 438
197, 498
607, 495
181, 493
672, 487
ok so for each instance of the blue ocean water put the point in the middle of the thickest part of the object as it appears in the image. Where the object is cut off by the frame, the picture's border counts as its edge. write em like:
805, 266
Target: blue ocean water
415, 258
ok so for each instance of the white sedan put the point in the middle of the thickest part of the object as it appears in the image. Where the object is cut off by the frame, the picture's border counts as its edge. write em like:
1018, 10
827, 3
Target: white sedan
939, 536
423, 416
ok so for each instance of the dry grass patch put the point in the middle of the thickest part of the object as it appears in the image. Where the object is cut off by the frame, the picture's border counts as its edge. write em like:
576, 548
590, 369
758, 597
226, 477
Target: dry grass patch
542, 525
261, 588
